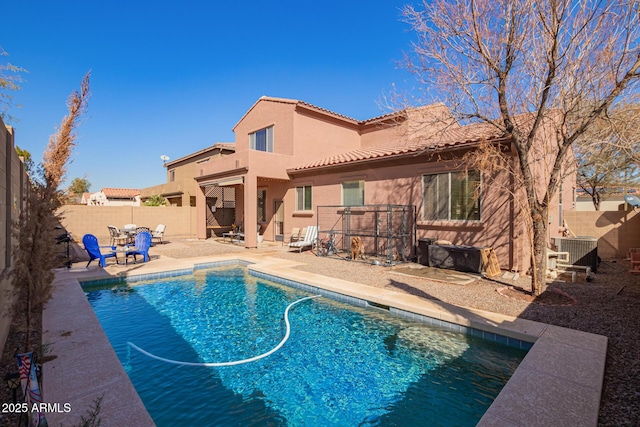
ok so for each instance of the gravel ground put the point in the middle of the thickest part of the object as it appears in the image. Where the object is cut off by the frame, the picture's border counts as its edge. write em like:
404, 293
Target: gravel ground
609, 305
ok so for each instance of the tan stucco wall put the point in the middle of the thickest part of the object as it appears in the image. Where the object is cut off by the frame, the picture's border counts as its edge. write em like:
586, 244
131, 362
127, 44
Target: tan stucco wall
383, 133
402, 184
299, 136
616, 231
303, 134
184, 186
265, 114
13, 183
81, 220
613, 203
317, 138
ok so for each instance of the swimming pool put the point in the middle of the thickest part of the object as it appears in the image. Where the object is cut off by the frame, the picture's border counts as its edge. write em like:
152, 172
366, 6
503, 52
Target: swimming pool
341, 366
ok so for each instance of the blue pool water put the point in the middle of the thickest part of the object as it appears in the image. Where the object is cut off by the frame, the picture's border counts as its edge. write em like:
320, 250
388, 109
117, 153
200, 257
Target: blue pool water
342, 365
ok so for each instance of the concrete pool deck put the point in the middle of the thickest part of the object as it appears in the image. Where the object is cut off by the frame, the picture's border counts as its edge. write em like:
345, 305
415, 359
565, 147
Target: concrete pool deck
559, 382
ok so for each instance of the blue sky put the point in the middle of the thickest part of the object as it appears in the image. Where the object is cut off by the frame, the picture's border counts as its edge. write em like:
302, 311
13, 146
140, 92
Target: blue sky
175, 77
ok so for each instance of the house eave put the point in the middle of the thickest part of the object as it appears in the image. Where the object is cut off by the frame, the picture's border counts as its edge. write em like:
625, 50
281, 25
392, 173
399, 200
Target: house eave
392, 157
219, 175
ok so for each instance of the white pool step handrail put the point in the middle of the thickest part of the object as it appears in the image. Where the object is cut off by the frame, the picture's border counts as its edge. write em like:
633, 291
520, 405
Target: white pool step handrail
235, 362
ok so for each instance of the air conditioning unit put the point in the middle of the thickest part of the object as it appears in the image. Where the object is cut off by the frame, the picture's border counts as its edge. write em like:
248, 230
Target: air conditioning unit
582, 250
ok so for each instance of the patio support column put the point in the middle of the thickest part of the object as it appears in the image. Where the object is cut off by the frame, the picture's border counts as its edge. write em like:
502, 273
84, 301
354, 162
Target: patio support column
201, 214
250, 221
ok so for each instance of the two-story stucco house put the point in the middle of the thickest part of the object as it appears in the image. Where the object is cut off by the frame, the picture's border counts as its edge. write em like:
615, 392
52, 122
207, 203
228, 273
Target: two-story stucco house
291, 157
181, 187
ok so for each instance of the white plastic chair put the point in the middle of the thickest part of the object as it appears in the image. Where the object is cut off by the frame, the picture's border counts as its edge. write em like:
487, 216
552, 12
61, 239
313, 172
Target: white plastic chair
158, 233
308, 241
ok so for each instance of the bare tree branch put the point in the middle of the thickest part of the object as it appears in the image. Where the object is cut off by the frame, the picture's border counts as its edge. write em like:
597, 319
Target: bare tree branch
543, 72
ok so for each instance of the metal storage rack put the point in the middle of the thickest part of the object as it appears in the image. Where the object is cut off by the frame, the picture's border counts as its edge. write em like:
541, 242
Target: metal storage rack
388, 232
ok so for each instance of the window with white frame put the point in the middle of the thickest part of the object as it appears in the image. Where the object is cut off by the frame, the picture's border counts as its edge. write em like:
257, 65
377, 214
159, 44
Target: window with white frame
353, 193
303, 198
262, 205
451, 196
262, 140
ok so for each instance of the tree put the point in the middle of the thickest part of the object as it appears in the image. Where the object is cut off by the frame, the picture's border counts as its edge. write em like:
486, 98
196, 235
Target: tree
29, 165
36, 251
78, 187
608, 154
561, 63
155, 200
10, 80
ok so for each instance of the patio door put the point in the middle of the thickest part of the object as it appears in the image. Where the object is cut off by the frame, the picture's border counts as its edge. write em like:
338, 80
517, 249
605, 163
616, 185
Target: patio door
278, 220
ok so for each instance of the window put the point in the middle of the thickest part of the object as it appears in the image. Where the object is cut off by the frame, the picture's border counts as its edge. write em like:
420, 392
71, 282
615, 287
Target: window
451, 196
262, 205
172, 175
303, 198
353, 193
262, 140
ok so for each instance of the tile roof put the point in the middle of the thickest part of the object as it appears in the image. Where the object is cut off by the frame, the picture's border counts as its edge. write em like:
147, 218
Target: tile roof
451, 137
437, 109
297, 103
231, 146
225, 146
329, 112
120, 192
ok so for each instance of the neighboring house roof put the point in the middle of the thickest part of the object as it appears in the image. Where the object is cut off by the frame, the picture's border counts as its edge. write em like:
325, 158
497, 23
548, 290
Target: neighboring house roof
230, 146
120, 193
604, 192
448, 138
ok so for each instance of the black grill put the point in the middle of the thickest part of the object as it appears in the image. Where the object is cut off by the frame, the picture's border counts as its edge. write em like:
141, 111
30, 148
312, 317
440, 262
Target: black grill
63, 238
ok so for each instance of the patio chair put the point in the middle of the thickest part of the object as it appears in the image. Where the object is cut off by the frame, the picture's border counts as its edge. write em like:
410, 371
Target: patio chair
130, 231
92, 247
116, 236
158, 233
141, 245
294, 237
308, 241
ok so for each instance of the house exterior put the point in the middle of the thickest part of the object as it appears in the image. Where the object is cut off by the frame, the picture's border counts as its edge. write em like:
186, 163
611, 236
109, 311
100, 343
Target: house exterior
181, 187
114, 197
611, 201
291, 157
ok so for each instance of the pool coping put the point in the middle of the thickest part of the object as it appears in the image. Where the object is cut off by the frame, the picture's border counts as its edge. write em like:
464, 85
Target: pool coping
559, 382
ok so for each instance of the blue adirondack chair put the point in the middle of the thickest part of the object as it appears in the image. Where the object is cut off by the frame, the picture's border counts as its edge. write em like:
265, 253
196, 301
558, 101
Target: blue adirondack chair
90, 243
141, 245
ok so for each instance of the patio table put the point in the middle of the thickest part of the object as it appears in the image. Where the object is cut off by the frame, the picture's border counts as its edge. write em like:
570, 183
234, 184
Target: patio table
233, 236
122, 250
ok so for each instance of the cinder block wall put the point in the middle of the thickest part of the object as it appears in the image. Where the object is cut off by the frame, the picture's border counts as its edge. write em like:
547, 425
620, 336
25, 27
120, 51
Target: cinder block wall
13, 184
80, 220
616, 231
